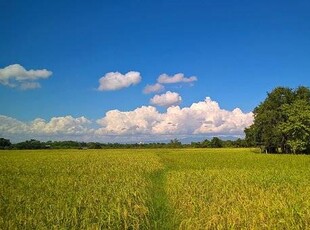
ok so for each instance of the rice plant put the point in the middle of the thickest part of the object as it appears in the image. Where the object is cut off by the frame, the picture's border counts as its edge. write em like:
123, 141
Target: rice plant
153, 189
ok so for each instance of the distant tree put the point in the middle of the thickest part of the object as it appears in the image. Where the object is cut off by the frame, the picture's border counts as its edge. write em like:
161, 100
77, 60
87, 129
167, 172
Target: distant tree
216, 143
5, 143
93, 145
175, 143
240, 143
206, 144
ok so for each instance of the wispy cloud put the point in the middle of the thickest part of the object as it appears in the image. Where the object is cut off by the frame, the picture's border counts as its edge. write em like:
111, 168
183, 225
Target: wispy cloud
166, 79
17, 76
153, 88
177, 78
116, 80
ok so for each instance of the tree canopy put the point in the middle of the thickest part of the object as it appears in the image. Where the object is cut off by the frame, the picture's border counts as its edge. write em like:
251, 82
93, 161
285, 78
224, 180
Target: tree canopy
282, 121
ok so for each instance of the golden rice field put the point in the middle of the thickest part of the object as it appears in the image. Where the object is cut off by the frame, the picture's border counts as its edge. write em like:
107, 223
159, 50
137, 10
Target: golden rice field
153, 189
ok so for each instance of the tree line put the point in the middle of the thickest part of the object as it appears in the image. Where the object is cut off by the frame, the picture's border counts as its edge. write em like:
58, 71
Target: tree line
215, 142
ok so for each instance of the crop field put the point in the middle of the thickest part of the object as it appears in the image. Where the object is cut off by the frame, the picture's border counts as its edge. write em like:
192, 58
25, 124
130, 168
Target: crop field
153, 189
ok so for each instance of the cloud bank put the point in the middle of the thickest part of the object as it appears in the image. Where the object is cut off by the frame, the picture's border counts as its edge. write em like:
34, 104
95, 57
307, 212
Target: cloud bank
17, 76
116, 80
167, 99
145, 123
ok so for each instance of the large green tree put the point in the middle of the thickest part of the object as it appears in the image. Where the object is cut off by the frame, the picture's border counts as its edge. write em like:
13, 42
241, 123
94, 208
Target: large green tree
297, 125
281, 122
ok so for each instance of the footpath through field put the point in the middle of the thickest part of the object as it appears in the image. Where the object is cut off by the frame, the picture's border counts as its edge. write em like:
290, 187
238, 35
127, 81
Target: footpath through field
161, 213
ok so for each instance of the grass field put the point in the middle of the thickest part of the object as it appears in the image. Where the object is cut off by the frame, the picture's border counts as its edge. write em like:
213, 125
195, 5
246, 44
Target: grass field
153, 189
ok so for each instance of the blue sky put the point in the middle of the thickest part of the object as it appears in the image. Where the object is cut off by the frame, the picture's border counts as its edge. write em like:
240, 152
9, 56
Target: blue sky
237, 50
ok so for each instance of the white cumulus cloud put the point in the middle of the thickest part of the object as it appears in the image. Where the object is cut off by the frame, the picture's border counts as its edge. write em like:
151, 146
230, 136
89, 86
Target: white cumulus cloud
153, 88
116, 80
204, 117
167, 99
61, 125
140, 120
177, 78
17, 76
